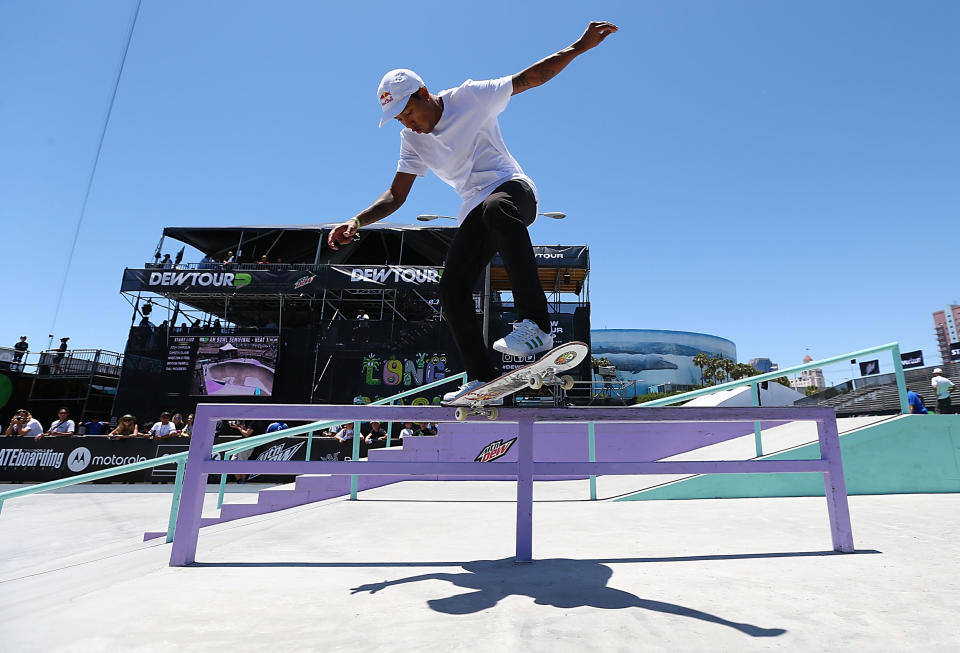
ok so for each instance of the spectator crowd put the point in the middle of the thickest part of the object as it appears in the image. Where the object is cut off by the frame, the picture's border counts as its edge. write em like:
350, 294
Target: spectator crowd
24, 424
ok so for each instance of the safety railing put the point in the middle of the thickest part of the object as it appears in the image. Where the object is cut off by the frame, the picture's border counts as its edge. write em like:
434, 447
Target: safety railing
72, 362
224, 448
755, 381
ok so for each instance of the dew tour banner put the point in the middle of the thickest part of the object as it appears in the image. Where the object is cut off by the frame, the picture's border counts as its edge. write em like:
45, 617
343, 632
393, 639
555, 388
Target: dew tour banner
559, 256
955, 351
912, 359
259, 282
316, 278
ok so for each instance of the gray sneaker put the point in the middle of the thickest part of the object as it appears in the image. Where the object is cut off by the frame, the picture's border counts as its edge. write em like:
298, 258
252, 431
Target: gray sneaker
526, 339
468, 387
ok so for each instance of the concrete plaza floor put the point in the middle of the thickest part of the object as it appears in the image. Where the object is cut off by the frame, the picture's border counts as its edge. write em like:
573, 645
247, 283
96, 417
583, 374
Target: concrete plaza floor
427, 566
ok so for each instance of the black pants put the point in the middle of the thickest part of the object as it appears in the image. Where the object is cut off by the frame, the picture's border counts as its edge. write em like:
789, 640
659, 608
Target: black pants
944, 406
498, 224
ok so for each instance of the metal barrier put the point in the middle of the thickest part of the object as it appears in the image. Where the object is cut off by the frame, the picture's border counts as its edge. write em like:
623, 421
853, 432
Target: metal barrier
755, 381
201, 463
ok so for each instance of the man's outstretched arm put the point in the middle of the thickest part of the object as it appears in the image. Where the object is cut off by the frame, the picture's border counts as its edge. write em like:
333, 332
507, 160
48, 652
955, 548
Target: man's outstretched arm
545, 69
391, 200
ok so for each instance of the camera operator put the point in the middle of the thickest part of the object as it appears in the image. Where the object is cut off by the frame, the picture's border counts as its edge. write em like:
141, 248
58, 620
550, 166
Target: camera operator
24, 425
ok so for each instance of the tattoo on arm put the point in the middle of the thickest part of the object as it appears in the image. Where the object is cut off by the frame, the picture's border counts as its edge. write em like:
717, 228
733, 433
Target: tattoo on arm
543, 71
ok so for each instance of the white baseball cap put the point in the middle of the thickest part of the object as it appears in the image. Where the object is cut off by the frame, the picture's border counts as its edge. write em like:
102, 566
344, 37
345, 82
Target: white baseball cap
937, 371
395, 89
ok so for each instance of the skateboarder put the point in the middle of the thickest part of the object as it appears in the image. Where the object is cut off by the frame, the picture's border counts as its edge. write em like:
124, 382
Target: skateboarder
455, 133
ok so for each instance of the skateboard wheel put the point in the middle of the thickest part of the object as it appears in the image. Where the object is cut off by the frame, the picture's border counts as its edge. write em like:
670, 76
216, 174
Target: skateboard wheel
460, 414
567, 382
535, 382
493, 414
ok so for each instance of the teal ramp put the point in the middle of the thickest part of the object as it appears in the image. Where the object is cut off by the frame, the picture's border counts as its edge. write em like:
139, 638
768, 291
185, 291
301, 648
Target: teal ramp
909, 454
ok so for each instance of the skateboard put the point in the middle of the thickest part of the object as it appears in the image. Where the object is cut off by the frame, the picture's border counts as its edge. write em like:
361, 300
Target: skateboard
541, 372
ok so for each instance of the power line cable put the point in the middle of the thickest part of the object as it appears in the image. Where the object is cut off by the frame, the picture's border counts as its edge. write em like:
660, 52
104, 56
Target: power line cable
93, 172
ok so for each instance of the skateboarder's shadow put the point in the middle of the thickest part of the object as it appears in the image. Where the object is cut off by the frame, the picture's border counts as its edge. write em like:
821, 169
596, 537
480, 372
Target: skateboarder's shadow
559, 582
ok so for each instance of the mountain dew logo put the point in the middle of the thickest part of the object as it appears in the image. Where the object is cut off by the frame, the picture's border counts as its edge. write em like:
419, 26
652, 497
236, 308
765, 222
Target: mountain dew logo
241, 279
565, 357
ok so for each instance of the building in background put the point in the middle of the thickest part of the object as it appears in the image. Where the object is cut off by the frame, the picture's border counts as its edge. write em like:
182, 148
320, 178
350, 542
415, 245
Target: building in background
654, 358
764, 364
945, 324
808, 378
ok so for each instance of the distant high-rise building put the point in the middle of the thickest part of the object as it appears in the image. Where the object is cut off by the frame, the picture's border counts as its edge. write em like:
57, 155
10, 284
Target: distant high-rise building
946, 323
764, 364
808, 378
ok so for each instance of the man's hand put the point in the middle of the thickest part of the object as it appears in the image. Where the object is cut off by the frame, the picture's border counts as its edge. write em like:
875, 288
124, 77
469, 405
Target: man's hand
343, 233
596, 31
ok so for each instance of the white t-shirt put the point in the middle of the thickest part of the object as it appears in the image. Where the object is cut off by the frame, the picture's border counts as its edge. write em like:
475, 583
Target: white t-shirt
406, 433
161, 430
941, 385
63, 427
466, 149
31, 428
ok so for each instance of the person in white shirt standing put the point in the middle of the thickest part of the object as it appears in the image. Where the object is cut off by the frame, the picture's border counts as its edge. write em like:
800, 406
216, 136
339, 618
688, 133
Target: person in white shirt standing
63, 426
455, 133
942, 386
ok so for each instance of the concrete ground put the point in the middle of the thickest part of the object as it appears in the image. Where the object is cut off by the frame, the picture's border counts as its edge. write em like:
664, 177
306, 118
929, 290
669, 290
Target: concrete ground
427, 566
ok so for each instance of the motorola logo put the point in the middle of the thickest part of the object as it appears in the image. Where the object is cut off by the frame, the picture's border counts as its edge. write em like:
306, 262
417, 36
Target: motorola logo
79, 459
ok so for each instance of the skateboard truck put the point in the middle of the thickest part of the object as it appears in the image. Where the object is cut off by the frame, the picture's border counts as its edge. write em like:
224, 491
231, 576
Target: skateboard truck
537, 381
462, 412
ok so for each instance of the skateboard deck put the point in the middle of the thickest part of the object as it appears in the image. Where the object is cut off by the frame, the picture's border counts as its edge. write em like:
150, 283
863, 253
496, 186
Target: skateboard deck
543, 371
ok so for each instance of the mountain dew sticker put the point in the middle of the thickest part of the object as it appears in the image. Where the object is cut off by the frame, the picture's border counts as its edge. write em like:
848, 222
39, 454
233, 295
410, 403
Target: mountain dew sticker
565, 357
241, 279
494, 450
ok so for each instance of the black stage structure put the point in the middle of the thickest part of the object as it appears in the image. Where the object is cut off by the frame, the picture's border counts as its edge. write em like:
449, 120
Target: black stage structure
291, 330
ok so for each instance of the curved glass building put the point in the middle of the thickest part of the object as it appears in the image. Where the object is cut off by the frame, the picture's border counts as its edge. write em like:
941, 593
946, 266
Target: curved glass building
653, 357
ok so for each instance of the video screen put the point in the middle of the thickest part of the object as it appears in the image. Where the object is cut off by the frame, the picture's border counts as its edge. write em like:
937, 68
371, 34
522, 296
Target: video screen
225, 365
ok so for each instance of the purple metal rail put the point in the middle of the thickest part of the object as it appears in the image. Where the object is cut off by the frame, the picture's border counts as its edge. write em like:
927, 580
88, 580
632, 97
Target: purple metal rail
200, 463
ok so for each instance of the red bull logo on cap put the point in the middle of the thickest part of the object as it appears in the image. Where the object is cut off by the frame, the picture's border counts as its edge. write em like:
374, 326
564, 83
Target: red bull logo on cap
385, 98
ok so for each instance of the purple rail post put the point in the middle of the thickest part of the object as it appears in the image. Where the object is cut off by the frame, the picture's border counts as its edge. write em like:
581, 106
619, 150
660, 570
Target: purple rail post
836, 487
525, 490
187, 532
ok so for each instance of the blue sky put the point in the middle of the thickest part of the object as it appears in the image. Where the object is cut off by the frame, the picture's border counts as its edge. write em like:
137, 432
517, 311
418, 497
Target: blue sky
781, 174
